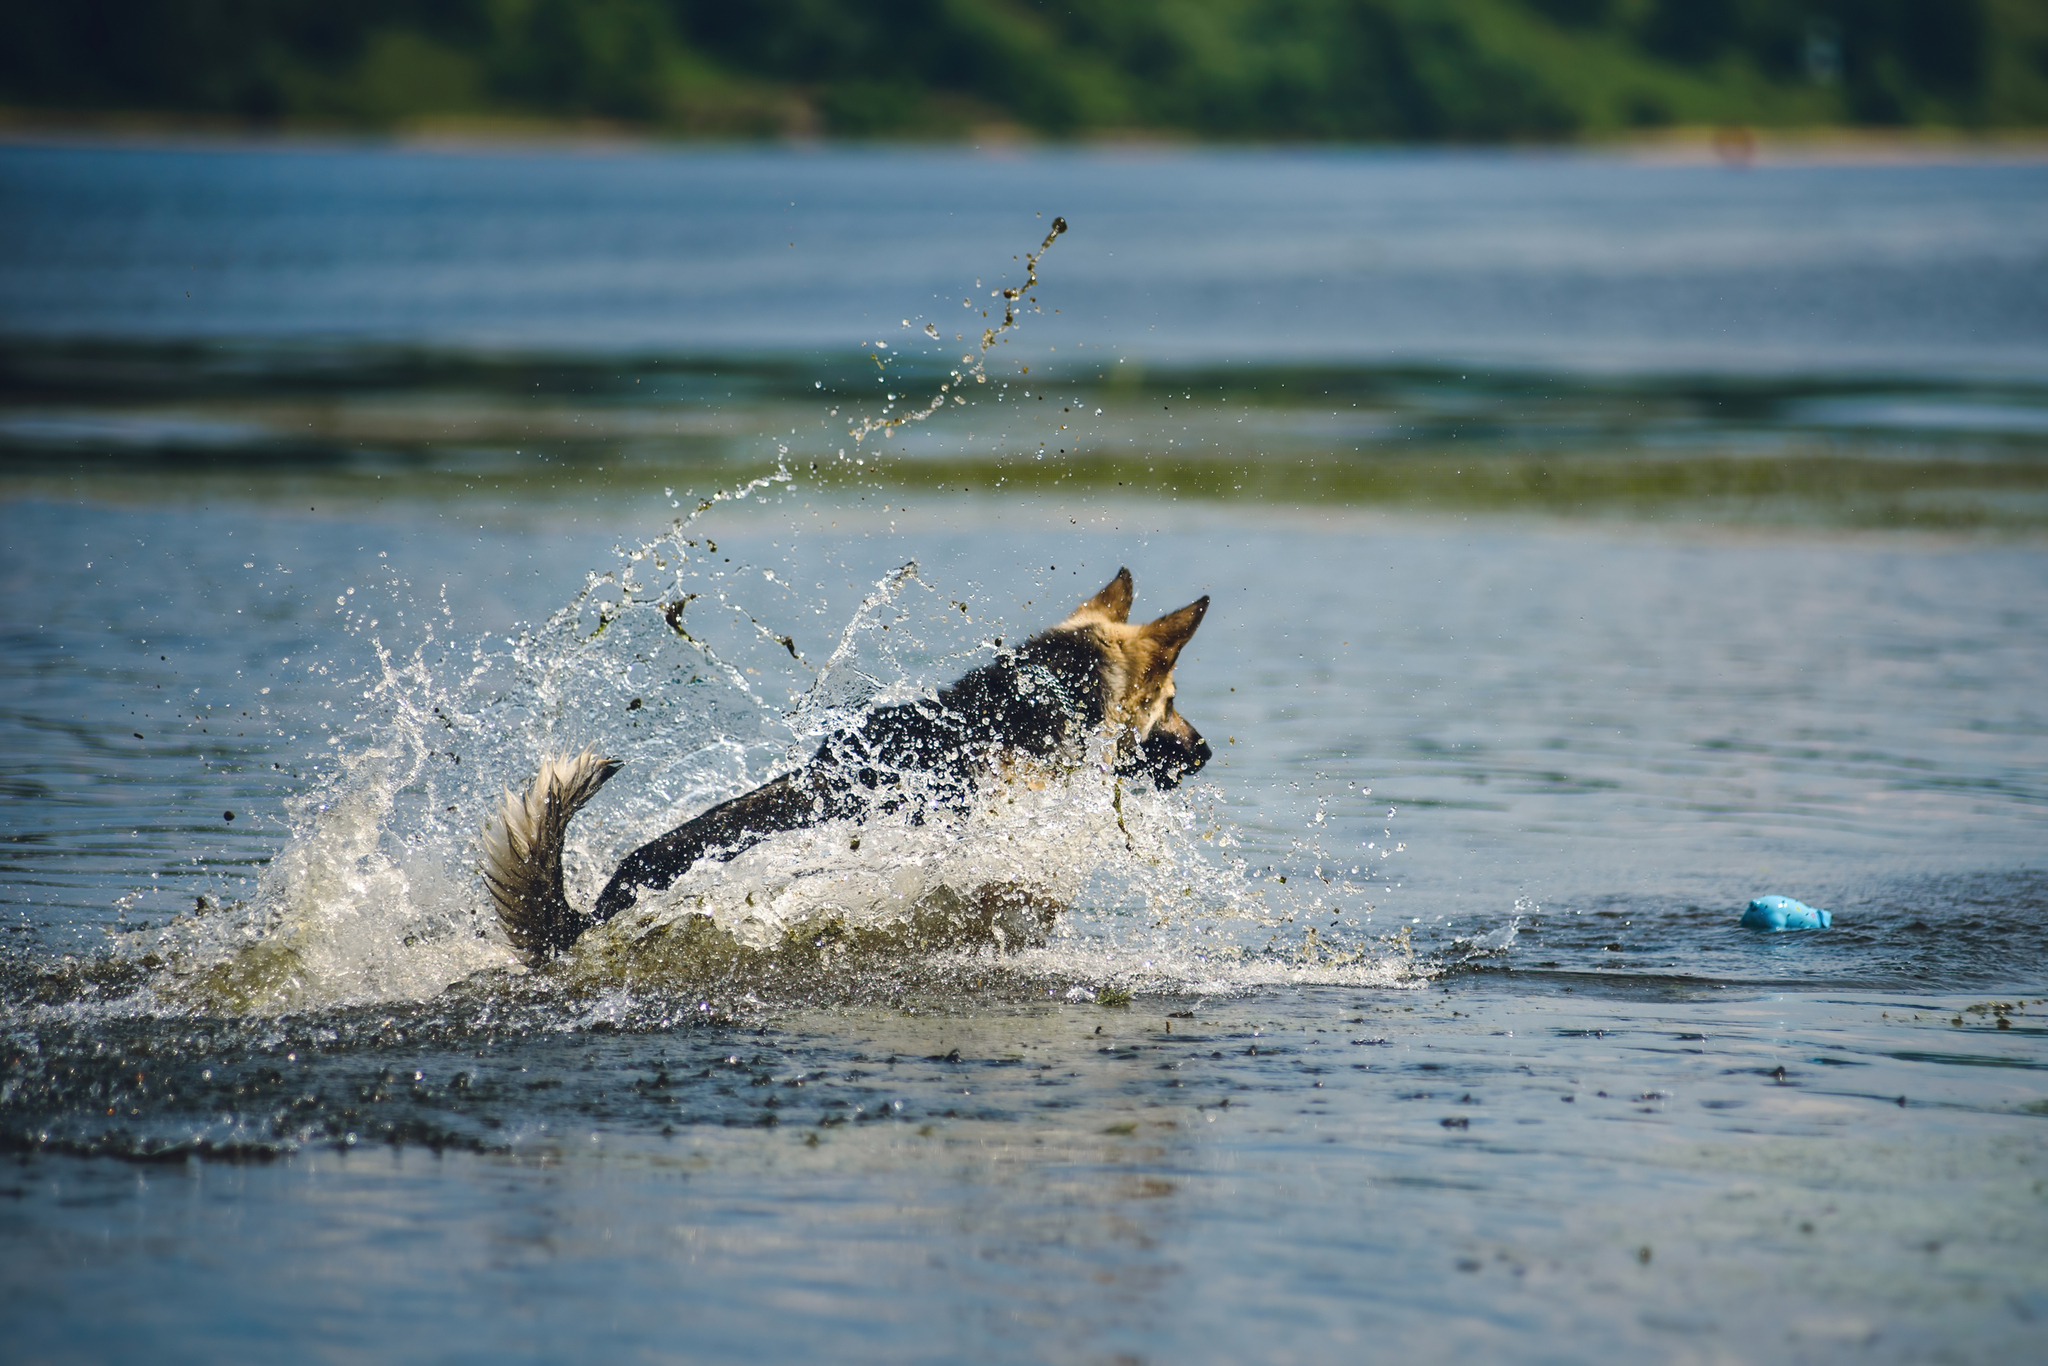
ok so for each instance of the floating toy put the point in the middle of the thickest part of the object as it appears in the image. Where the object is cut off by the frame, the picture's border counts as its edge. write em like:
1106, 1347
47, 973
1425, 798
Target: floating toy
1783, 913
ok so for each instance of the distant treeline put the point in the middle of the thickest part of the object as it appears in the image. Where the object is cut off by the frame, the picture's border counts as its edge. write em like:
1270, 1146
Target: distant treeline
1253, 69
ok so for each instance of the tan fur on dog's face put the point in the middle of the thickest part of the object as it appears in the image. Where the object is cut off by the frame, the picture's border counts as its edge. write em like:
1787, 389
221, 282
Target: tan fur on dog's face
1137, 661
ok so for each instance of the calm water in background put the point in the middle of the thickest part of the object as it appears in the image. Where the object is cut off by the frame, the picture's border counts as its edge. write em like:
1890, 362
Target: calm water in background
1548, 261
1588, 1115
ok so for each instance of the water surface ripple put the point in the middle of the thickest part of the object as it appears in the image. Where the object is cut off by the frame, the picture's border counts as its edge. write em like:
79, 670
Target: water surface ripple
1592, 547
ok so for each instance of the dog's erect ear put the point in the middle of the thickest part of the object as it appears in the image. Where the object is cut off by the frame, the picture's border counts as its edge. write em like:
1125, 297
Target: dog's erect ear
1167, 635
1114, 601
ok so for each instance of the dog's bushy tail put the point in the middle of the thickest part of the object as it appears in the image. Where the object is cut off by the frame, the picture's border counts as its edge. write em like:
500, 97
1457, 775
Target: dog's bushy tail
523, 853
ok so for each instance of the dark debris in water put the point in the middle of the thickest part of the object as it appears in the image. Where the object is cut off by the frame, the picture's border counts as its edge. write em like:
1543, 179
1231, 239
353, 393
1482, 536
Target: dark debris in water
236, 1091
92, 1063
495, 1063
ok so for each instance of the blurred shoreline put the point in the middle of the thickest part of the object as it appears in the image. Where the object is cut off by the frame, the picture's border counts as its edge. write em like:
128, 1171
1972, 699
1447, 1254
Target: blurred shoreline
466, 135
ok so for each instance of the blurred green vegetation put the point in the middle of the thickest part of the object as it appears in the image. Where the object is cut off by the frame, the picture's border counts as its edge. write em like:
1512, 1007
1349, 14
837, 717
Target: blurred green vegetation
1409, 70
311, 425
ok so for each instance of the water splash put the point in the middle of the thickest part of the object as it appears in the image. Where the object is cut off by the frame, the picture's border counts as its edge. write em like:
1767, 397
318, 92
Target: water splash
1062, 878
679, 660
973, 365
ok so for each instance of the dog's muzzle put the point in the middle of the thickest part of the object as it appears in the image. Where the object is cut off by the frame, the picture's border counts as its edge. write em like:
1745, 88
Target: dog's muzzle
1171, 752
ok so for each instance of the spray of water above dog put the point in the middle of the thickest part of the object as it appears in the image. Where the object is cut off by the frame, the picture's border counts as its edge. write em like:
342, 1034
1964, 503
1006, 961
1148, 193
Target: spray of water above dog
1025, 827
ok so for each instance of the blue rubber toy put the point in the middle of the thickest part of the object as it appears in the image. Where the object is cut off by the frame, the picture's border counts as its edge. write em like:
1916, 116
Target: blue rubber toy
1783, 913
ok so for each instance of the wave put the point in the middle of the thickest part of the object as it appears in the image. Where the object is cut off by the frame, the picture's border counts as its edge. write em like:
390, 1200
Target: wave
1065, 882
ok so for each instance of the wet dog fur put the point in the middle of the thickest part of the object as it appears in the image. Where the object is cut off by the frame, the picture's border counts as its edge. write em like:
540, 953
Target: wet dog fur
1091, 673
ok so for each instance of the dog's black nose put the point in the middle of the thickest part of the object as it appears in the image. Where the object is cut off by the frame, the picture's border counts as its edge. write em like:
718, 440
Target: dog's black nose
1166, 756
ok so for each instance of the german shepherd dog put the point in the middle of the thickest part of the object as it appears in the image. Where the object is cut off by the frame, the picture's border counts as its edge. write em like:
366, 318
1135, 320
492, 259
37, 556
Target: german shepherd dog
1092, 673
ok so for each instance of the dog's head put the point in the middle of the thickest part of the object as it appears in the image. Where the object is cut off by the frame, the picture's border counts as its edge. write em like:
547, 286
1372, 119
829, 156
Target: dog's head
1136, 673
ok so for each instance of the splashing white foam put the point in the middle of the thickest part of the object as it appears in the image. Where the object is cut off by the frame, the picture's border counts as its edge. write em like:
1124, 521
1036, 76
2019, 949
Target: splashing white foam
667, 661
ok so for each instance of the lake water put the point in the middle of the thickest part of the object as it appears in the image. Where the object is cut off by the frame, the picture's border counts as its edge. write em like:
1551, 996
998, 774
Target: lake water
1593, 546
